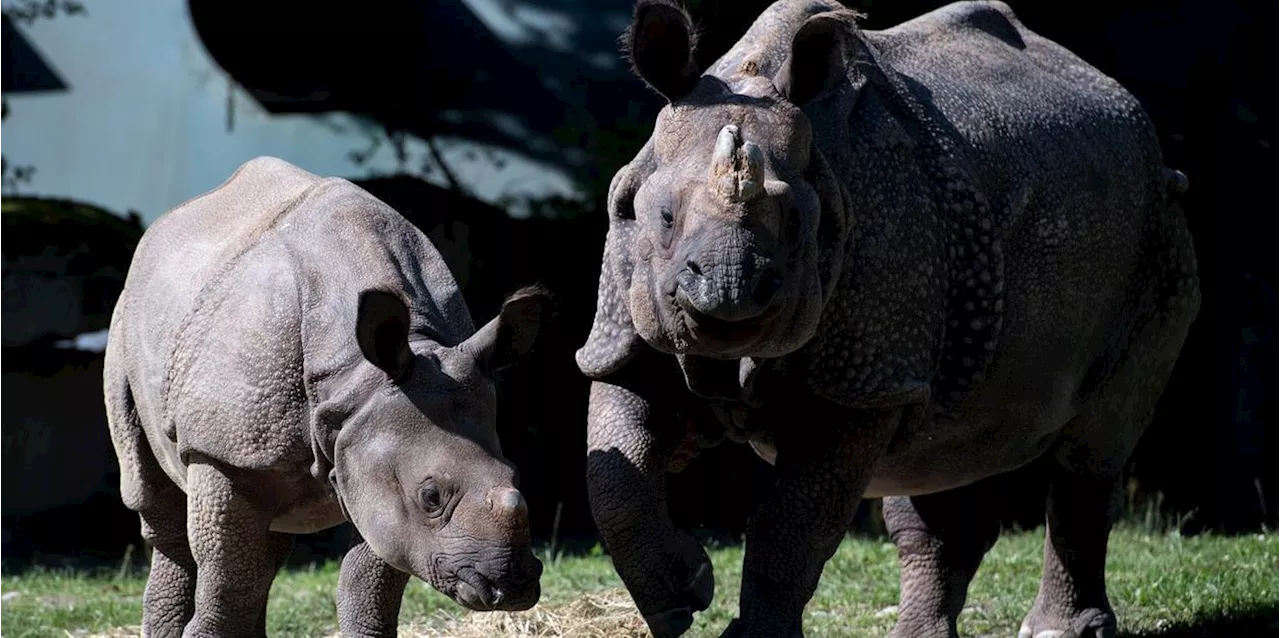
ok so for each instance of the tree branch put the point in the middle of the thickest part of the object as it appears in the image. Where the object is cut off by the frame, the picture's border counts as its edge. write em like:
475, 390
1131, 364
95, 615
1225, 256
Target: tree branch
454, 184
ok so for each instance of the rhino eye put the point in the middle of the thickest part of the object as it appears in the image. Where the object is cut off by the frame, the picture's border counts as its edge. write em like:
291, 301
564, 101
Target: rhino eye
667, 218
430, 498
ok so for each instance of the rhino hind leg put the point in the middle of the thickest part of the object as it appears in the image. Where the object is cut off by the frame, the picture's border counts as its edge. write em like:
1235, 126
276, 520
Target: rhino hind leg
169, 600
1085, 492
941, 539
1072, 601
236, 554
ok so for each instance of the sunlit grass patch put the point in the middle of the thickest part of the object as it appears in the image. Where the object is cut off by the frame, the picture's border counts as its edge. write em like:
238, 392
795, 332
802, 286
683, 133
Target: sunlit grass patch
1161, 585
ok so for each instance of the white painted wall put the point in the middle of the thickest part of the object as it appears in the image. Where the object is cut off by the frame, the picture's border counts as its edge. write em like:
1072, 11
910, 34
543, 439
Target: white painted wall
144, 124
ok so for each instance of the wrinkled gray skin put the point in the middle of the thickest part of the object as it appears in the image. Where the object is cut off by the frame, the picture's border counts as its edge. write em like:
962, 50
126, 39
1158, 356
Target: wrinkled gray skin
289, 352
898, 263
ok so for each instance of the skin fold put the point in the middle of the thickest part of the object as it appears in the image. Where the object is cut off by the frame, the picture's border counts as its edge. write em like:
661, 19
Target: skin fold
290, 353
897, 263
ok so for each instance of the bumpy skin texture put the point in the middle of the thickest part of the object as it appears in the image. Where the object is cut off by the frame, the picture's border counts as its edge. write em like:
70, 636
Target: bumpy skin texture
899, 263
289, 353
369, 593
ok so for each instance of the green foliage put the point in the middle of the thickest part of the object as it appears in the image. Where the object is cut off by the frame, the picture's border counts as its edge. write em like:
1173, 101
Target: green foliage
43, 226
1161, 584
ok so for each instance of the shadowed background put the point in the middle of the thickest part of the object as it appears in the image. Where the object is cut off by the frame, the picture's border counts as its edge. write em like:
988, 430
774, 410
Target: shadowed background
495, 126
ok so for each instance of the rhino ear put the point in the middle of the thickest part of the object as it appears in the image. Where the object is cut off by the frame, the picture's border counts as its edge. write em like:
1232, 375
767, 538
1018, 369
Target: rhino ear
819, 57
660, 43
503, 341
613, 339
382, 330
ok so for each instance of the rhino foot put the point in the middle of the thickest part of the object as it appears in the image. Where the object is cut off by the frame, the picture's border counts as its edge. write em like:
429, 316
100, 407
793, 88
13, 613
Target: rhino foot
938, 628
701, 587
672, 622
738, 629
1086, 623
696, 596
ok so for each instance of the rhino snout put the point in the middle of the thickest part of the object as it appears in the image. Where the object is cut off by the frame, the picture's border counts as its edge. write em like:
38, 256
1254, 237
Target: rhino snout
728, 293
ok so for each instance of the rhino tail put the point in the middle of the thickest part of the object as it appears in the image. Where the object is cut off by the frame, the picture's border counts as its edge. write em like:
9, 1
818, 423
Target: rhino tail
1176, 181
138, 468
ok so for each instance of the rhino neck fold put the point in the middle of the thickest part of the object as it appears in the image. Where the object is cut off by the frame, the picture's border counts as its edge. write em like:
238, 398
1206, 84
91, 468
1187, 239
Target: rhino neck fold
733, 380
972, 232
331, 404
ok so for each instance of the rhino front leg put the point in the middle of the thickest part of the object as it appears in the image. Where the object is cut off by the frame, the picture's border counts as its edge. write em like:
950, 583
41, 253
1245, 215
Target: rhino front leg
369, 594
235, 553
278, 547
941, 539
821, 473
630, 441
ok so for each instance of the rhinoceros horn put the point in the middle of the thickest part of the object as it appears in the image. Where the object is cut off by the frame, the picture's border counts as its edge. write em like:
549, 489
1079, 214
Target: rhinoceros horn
737, 167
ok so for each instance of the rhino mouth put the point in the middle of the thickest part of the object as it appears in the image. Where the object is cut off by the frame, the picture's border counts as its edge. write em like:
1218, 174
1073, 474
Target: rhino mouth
479, 592
475, 592
706, 330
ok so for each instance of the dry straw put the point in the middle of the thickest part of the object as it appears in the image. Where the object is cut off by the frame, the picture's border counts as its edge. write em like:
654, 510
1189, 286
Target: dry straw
605, 614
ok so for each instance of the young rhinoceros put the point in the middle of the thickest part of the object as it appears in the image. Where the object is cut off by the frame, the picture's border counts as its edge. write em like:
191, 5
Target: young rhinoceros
898, 263
289, 353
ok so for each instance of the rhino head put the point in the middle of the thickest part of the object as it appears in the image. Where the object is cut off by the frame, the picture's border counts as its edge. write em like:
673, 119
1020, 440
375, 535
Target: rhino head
417, 465
727, 228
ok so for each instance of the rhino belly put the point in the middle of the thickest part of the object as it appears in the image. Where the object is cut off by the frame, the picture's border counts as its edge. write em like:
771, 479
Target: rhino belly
937, 470
942, 454
315, 512
939, 454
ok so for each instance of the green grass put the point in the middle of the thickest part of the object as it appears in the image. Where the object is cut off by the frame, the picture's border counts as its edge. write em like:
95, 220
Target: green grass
1161, 585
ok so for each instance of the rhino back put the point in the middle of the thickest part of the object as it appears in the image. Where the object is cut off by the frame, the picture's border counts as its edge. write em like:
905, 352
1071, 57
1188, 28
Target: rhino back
1070, 171
239, 297
1014, 183
1025, 109
187, 247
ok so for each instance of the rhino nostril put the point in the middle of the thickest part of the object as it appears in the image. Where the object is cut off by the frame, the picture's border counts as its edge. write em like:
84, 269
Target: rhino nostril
690, 281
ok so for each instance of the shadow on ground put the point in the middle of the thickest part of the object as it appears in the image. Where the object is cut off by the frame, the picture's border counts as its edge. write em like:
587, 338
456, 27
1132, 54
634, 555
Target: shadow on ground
1259, 621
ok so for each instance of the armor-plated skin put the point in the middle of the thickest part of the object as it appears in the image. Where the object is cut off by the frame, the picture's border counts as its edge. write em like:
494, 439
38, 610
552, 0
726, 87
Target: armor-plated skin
289, 353
899, 263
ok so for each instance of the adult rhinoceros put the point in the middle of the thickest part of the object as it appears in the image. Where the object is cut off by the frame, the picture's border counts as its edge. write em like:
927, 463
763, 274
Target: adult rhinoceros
899, 263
